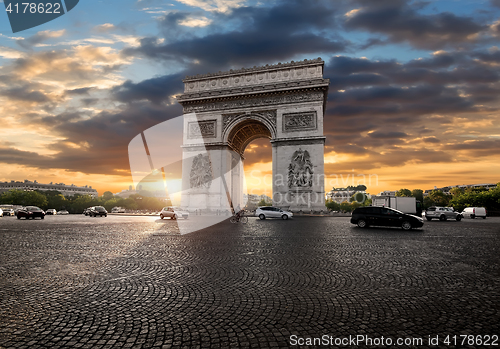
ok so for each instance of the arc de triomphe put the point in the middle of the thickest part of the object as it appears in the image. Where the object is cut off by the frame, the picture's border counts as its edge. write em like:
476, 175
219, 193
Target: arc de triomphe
225, 111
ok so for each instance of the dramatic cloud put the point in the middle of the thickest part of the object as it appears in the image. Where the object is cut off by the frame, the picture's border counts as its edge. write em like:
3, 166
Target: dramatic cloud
262, 34
401, 22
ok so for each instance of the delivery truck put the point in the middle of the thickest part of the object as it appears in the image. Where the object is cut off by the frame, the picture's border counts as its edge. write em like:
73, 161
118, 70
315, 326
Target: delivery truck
404, 204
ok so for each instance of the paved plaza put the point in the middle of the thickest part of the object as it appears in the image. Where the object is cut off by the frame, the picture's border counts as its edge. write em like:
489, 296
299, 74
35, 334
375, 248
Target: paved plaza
135, 282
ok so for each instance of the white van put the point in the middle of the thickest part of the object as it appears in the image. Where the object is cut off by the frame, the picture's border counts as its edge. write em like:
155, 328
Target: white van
473, 212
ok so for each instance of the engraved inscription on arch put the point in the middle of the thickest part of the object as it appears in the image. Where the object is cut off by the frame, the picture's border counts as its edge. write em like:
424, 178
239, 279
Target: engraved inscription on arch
300, 121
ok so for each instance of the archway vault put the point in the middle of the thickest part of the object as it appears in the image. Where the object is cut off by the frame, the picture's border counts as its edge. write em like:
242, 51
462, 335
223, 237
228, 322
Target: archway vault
242, 134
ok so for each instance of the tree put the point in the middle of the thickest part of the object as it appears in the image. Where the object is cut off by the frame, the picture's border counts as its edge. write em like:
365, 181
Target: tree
355, 205
345, 206
107, 195
332, 205
109, 204
456, 191
359, 197
13, 197
403, 192
34, 198
418, 194
58, 202
263, 202
439, 198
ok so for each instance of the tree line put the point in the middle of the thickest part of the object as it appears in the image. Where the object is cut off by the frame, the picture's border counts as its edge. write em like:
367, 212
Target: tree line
459, 198
77, 203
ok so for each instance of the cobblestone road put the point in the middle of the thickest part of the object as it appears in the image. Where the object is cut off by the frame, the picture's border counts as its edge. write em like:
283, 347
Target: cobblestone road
134, 282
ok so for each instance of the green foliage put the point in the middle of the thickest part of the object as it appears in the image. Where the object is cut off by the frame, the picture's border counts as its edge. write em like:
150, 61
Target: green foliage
470, 198
359, 197
418, 194
13, 197
404, 192
438, 198
107, 195
456, 191
77, 203
24, 198
346, 206
332, 205
263, 202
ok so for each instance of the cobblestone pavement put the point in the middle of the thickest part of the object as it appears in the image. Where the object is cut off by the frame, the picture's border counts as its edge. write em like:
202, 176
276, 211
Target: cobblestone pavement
134, 282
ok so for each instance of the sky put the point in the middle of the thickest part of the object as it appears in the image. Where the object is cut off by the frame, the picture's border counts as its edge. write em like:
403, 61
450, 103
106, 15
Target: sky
413, 99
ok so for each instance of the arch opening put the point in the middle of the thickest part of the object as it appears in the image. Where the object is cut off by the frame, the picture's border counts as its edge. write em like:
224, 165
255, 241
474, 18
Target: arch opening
245, 132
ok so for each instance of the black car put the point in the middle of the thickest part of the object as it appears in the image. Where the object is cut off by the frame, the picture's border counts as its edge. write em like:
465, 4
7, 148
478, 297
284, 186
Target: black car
98, 211
384, 216
30, 212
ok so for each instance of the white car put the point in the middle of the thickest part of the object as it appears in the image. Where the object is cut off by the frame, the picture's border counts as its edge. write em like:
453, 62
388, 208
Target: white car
173, 213
264, 212
1, 212
473, 212
63, 212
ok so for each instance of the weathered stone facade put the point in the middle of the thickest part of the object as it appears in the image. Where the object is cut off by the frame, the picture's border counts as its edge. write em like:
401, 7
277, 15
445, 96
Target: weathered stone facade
225, 111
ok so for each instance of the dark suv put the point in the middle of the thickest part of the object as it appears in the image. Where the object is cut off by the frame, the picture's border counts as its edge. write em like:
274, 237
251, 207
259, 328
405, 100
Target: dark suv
98, 211
384, 216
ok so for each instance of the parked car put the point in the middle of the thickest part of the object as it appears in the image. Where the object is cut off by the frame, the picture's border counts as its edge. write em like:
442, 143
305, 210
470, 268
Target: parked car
87, 211
1, 212
473, 212
51, 211
384, 216
7, 211
98, 211
173, 213
264, 212
117, 210
63, 212
442, 213
30, 212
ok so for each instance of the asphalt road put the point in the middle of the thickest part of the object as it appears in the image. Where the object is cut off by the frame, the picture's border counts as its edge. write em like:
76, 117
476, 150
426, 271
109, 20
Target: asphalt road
135, 282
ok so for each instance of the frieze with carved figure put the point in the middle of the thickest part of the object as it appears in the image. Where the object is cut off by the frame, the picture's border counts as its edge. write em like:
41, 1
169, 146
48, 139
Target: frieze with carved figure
300, 170
299, 121
201, 172
202, 129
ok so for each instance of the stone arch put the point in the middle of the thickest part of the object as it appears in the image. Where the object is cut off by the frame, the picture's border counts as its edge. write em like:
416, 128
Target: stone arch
242, 133
283, 103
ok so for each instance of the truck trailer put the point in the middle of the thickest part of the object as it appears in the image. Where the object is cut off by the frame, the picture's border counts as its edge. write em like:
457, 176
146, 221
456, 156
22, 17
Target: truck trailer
404, 204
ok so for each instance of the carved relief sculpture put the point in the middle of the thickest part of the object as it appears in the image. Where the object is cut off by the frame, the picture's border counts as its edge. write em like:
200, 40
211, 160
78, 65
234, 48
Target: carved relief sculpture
202, 129
201, 172
299, 121
300, 170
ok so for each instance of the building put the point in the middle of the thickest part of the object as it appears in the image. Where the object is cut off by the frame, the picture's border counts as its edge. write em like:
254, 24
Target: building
66, 190
252, 200
387, 193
